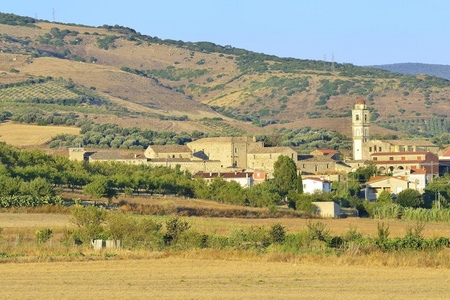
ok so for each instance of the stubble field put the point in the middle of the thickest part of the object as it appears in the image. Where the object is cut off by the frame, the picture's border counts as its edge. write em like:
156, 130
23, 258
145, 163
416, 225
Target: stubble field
22, 135
191, 278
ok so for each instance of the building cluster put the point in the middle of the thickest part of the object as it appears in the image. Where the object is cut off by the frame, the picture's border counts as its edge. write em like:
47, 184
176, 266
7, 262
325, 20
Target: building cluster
402, 163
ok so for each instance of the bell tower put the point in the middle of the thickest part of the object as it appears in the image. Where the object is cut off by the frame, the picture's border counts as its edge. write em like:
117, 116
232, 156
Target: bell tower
360, 128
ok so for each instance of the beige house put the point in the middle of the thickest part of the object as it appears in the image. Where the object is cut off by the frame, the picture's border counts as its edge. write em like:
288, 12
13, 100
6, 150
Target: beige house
264, 158
394, 185
376, 146
77, 154
388, 162
230, 151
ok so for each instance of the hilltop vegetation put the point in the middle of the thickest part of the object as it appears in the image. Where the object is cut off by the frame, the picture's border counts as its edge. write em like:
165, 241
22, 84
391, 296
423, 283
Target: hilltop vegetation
442, 71
167, 79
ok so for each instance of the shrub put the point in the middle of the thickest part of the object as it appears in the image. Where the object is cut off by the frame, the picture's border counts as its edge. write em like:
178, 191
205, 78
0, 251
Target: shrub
384, 197
174, 228
277, 233
42, 236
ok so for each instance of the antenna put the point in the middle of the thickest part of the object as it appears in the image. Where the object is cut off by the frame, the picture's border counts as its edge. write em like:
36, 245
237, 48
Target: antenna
332, 62
53, 14
324, 62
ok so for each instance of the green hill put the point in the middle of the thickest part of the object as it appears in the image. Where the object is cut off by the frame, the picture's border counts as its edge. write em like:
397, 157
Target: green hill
144, 81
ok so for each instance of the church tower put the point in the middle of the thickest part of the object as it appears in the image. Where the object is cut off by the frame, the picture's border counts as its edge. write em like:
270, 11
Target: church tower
360, 128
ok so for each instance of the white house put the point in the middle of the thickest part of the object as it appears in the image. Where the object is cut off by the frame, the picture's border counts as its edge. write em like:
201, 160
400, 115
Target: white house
245, 179
310, 185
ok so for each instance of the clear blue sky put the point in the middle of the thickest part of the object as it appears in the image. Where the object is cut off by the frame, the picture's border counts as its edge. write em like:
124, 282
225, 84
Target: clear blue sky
363, 32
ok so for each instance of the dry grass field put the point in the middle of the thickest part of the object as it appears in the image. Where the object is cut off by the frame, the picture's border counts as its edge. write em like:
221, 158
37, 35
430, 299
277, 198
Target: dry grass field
22, 135
190, 278
28, 222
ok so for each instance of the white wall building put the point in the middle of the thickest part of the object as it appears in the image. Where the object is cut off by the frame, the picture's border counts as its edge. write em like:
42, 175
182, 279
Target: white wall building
310, 185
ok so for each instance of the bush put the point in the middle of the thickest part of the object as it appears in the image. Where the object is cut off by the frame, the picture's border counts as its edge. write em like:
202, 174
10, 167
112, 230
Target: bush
277, 233
42, 236
174, 228
409, 198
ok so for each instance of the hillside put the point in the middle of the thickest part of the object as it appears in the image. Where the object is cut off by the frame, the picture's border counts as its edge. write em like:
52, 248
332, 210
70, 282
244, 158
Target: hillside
417, 68
119, 76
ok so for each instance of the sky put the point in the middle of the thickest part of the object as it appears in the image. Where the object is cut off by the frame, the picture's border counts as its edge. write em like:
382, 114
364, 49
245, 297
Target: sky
364, 32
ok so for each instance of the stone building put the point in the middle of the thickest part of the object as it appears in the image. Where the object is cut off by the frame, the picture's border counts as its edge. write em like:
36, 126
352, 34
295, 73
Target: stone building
168, 151
230, 151
316, 164
264, 158
326, 152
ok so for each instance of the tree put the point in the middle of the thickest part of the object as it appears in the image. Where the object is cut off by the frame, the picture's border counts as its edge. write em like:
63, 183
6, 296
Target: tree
263, 195
89, 219
285, 174
409, 198
100, 187
384, 197
299, 183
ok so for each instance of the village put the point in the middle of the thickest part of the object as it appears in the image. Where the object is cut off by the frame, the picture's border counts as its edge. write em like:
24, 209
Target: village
400, 164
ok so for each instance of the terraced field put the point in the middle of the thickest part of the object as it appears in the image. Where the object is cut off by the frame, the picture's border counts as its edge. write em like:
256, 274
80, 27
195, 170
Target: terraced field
50, 90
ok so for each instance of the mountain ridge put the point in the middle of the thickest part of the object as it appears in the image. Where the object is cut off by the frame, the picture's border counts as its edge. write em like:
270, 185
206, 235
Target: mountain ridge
438, 70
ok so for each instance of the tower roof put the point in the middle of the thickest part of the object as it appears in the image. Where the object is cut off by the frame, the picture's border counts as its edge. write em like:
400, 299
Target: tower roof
360, 101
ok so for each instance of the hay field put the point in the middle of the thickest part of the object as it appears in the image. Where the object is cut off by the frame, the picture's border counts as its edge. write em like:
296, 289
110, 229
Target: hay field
223, 226
191, 278
29, 135
29, 220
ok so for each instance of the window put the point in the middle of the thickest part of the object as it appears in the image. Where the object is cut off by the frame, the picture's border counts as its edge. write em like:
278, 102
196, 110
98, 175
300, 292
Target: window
303, 165
365, 117
391, 158
356, 117
270, 156
419, 157
379, 149
370, 149
403, 158
375, 158
254, 156
235, 150
327, 166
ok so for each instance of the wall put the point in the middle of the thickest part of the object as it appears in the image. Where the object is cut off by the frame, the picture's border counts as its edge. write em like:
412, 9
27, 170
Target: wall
327, 209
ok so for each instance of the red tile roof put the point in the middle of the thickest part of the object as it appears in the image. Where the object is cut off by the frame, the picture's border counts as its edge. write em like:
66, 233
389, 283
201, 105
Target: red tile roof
224, 175
399, 153
316, 179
